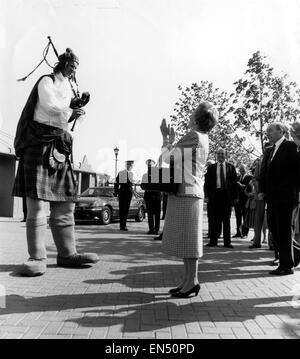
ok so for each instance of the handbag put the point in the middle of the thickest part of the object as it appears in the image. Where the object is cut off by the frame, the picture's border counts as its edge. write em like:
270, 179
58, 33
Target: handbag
160, 179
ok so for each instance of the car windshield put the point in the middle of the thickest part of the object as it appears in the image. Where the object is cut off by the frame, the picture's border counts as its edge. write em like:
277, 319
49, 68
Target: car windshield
98, 192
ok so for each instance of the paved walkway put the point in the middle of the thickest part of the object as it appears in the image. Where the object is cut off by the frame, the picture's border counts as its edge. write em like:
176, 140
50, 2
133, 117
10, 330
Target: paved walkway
125, 294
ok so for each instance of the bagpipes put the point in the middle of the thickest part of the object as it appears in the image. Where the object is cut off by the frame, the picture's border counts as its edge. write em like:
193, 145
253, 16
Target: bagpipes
78, 100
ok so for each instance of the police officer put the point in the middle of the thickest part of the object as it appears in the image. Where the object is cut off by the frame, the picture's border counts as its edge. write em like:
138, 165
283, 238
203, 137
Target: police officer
123, 189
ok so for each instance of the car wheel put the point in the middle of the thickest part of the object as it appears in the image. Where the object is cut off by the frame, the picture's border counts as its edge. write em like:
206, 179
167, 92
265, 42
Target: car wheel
105, 216
140, 215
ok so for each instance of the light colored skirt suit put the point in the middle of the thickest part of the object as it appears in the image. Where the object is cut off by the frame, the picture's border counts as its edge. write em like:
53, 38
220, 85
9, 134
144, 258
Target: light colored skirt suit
182, 233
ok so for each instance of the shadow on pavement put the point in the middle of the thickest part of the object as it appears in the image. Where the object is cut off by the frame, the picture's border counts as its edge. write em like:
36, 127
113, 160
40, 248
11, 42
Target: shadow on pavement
135, 246
142, 311
13, 268
137, 310
135, 249
169, 275
168, 314
20, 304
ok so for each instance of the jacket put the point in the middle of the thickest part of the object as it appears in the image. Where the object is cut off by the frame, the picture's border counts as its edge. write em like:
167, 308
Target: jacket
231, 182
190, 155
124, 183
279, 179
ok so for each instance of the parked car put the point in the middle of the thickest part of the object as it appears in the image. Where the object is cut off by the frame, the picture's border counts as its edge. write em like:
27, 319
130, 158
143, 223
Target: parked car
100, 204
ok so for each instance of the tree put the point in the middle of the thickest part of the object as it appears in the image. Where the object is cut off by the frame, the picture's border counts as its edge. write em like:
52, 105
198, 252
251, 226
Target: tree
224, 134
261, 97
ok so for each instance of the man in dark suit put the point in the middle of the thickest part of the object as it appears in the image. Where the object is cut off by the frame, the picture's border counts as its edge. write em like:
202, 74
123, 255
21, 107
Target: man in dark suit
221, 194
243, 180
153, 204
208, 205
279, 183
123, 189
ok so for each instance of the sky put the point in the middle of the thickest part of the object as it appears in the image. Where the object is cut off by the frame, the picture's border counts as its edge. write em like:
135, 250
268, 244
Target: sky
133, 56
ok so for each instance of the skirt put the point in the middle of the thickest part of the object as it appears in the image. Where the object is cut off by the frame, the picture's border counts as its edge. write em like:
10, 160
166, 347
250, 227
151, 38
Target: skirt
182, 233
35, 179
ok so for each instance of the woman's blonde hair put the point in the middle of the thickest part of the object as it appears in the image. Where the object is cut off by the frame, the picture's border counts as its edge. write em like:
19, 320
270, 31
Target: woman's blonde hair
206, 116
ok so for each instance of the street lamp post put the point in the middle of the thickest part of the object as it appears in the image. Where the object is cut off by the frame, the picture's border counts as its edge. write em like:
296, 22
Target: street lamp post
116, 151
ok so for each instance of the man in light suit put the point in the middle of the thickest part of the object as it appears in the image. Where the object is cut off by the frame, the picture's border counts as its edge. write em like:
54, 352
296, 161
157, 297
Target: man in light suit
279, 182
221, 194
123, 189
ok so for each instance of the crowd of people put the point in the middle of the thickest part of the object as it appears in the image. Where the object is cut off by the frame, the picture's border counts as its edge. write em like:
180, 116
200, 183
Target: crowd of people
242, 188
263, 195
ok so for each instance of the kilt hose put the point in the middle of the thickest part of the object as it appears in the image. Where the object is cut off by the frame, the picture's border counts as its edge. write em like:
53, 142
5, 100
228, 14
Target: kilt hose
35, 179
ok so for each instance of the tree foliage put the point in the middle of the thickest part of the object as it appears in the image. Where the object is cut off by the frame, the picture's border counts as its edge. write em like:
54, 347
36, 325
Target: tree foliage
261, 97
224, 134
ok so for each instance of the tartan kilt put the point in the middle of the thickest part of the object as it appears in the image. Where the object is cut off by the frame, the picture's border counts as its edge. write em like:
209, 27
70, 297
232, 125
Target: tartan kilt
35, 179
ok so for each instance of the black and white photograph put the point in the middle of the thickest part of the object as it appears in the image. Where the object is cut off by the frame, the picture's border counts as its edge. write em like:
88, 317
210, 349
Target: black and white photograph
150, 172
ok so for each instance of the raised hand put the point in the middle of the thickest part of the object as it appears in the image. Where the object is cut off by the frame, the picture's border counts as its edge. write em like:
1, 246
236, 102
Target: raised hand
164, 129
172, 136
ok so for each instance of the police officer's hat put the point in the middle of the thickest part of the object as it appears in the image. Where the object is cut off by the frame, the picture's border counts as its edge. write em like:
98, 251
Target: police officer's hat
150, 162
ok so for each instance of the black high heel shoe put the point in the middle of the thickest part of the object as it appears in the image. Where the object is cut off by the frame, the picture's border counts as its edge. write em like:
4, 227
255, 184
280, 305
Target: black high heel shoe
195, 290
175, 290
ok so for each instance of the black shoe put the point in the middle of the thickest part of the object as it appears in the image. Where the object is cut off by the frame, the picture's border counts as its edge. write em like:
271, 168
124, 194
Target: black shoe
275, 262
151, 232
175, 290
124, 229
228, 246
282, 271
158, 238
77, 260
211, 245
156, 233
255, 246
195, 290
237, 235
